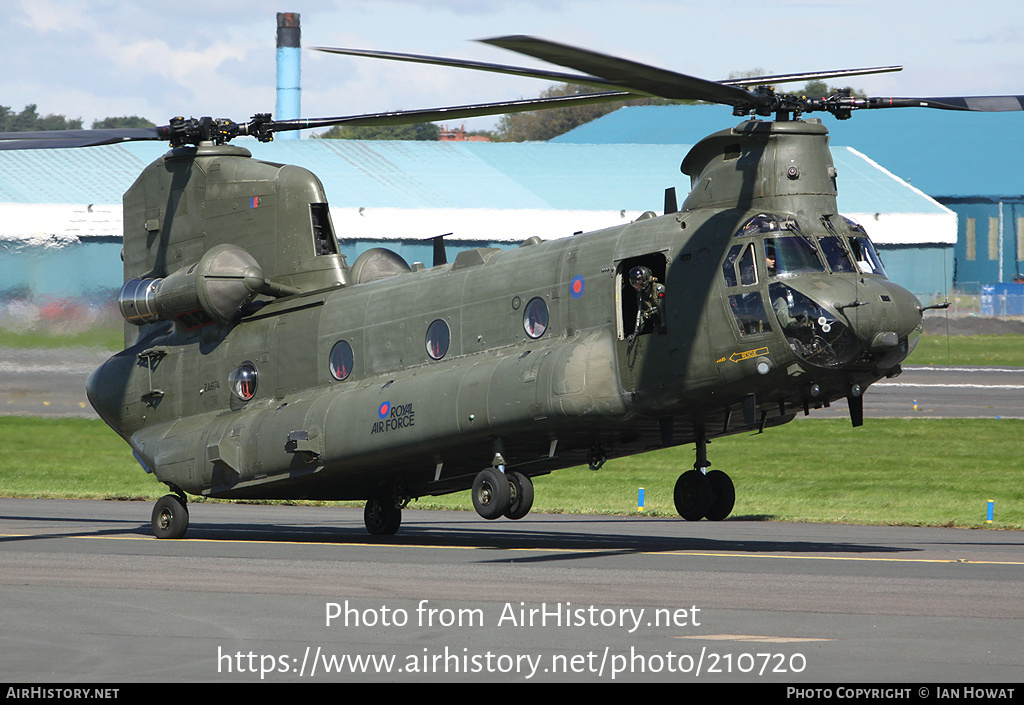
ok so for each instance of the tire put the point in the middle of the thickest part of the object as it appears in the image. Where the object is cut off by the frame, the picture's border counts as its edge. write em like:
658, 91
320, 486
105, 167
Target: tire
692, 495
382, 517
491, 494
170, 517
723, 495
521, 501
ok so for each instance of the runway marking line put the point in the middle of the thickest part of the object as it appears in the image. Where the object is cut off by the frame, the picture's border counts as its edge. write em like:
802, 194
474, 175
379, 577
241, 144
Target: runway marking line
755, 638
948, 386
705, 554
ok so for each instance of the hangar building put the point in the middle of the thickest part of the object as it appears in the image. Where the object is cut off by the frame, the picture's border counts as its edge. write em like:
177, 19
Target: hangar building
60, 220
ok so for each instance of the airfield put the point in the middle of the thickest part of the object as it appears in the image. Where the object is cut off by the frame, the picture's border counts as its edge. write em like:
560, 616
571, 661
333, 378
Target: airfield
302, 594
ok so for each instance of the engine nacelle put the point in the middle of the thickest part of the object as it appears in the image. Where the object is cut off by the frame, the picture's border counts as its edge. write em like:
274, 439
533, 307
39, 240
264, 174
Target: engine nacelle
216, 289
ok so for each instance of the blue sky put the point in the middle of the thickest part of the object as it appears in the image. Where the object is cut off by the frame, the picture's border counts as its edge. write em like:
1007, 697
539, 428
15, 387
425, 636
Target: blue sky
94, 58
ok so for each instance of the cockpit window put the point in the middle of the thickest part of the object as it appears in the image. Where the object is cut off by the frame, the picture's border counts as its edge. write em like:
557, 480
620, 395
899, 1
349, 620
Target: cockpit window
748, 274
855, 227
864, 253
810, 329
729, 267
791, 255
835, 254
748, 309
767, 223
747, 269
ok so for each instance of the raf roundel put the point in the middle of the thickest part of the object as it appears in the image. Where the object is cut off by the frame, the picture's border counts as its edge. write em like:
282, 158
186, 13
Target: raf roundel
576, 286
384, 409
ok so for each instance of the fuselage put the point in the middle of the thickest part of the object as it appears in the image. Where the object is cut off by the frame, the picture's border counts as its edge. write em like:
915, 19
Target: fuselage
532, 358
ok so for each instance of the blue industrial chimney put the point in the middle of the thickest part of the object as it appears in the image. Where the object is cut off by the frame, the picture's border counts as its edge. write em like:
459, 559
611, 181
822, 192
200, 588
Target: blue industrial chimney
289, 70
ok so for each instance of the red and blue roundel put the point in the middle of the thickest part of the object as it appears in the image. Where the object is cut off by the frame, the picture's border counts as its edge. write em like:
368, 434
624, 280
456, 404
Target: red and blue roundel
576, 286
382, 412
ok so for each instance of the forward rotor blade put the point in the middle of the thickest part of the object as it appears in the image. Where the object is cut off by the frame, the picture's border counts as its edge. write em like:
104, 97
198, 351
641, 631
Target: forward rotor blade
811, 76
981, 103
632, 76
58, 139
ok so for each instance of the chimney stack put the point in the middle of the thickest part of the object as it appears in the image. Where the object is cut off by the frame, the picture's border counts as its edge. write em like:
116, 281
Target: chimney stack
289, 70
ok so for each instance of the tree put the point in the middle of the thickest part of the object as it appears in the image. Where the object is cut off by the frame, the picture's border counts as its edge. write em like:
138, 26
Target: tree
820, 89
542, 125
121, 122
422, 131
29, 119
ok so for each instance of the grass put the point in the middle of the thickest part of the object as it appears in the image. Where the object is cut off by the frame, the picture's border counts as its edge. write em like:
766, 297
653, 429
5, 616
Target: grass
103, 337
932, 472
970, 350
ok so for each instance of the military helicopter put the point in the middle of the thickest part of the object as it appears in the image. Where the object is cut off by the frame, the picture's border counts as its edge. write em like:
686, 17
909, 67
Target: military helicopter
259, 364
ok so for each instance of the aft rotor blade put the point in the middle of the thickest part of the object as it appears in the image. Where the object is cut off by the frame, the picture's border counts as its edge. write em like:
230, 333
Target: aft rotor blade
583, 80
633, 76
406, 117
476, 66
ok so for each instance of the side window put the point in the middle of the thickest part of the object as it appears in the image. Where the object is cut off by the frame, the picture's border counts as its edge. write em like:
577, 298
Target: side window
341, 360
535, 318
243, 381
438, 339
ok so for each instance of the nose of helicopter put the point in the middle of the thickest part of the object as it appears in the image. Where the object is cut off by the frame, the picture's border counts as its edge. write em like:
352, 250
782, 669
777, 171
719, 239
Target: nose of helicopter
842, 322
879, 311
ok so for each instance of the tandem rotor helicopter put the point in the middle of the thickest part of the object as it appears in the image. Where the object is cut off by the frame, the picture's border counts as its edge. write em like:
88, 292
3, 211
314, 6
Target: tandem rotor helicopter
260, 364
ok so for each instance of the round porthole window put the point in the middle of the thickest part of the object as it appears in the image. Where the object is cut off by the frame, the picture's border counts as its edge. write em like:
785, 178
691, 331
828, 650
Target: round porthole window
243, 380
535, 318
438, 339
341, 360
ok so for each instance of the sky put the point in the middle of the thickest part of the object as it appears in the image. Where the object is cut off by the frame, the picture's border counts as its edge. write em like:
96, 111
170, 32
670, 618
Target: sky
91, 59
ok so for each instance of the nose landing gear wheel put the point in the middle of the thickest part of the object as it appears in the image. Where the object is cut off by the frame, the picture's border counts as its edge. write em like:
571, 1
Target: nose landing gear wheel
170, 517
693, 497
382, 517
491, 493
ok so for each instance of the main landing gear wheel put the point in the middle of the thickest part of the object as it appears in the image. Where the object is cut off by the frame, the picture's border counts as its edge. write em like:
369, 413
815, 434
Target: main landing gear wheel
492, 496
723, 495
382, 517
698, 495
693, 496
521, 500
170, 517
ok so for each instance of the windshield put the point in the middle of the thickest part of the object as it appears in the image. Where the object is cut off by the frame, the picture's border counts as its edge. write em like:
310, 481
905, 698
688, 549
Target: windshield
791, 255
835, 254
868, 261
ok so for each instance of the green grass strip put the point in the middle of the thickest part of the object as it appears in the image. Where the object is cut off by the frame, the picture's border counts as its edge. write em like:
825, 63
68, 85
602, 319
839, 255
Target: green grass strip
932, 472
969, 350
